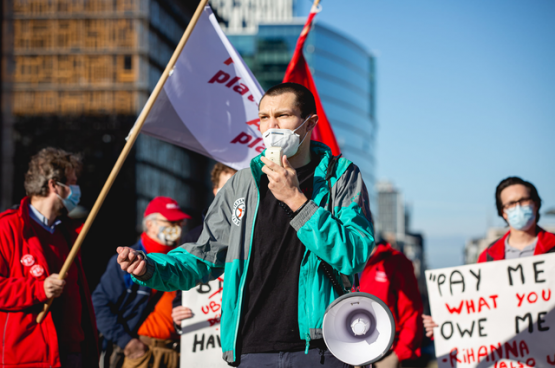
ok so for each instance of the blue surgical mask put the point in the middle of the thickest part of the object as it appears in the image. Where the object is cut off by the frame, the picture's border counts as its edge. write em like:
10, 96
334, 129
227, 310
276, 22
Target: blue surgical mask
73, 198
521, 217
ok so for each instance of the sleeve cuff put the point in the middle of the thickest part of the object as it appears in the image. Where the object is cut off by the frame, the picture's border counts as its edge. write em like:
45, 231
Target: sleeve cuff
404, 353
124, 340
304, 215
150, 268
41, 294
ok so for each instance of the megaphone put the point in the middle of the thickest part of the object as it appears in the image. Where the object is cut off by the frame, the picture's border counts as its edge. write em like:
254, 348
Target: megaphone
358, 328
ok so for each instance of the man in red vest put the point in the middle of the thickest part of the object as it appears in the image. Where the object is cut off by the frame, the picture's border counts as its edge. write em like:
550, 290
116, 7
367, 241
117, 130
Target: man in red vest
389, 275
35, 239
518, 202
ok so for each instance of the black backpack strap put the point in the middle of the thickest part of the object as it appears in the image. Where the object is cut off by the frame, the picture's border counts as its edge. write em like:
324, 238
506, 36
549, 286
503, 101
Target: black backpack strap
357, 283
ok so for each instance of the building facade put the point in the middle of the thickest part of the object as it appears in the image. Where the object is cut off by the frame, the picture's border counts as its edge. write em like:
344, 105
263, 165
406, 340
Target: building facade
75, 75
265, 34
390, 220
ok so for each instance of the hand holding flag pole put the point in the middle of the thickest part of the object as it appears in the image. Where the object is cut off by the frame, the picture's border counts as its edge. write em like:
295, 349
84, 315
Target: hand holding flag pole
125, 152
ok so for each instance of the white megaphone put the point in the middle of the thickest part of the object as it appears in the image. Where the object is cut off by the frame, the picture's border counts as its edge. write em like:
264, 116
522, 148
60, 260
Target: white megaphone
358, 328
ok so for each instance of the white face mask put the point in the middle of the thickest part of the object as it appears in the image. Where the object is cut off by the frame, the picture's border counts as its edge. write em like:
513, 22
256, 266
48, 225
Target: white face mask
287, 139
169, 235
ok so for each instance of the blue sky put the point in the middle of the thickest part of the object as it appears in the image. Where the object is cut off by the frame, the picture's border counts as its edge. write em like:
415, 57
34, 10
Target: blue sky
466, 97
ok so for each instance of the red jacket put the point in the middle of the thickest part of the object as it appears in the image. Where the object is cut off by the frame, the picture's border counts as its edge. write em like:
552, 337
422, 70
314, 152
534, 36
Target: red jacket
496, 251
24, 342
389, 275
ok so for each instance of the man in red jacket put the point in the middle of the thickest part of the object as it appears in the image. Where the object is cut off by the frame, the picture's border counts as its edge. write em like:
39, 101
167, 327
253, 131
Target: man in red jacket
35, 239
389, 275
518, 202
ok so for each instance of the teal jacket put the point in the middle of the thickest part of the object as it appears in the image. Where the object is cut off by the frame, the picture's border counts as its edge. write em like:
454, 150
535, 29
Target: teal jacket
343, 239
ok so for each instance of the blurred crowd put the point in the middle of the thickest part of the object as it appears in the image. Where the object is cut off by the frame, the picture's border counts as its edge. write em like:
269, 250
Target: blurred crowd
126, 324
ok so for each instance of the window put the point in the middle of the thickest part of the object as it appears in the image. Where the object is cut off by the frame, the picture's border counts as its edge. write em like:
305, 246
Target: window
127, 62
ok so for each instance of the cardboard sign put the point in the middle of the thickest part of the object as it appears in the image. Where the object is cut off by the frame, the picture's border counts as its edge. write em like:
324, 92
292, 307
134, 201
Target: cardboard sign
200, 342
495, 314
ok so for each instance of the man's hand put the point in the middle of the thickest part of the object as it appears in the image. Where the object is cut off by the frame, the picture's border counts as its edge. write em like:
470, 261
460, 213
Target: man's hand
284, 183
135, 349
53, 286
180, 313
131, 261
429, 325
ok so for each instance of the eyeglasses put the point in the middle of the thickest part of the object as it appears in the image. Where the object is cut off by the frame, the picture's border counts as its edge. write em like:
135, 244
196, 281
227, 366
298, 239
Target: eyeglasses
522, 202
171, 223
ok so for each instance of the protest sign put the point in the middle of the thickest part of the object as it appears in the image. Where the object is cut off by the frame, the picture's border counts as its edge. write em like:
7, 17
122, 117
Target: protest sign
495, 314
200, 342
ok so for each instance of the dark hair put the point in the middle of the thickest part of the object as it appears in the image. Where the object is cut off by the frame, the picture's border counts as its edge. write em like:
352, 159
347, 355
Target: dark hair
49, 163
304, 99
513, 180
218, 170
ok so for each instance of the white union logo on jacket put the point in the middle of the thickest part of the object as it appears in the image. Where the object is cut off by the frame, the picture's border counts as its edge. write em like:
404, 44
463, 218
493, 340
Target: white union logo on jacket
238, 211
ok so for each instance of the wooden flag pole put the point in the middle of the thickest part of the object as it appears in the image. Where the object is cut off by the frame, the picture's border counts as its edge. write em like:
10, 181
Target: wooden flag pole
125, 152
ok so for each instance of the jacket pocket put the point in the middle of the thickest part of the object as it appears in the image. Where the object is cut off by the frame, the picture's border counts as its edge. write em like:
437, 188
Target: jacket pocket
25, 342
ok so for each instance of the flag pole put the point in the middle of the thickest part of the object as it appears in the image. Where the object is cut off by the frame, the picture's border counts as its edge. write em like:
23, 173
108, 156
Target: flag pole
125, 152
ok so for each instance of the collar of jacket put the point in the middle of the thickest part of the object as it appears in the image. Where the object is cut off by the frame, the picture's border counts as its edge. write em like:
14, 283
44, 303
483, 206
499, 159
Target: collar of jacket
317, 148
29, 234
545, 244
381, 251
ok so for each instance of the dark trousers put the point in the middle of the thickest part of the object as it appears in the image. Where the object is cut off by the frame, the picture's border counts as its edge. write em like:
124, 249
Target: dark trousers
298, 359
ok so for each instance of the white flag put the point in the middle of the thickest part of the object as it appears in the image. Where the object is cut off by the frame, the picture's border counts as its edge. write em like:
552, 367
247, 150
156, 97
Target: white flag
209, 103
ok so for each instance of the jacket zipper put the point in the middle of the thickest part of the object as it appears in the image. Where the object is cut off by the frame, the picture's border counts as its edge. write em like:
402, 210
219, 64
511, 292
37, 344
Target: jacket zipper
310, 274
307, 309
244, 276
4, 340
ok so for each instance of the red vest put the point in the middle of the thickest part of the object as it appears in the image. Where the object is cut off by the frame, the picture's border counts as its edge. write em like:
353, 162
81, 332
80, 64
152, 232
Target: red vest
389, 275
23, 269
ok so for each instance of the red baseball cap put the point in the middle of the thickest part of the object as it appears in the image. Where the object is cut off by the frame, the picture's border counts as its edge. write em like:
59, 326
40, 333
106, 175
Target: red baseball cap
167, 207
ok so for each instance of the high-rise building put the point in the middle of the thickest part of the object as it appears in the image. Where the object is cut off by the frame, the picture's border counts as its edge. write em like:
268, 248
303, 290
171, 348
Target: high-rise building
390, 221
265, 33
392, 225
75, 75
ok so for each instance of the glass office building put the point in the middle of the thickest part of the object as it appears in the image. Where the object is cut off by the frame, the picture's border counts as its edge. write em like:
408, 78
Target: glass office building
344, 75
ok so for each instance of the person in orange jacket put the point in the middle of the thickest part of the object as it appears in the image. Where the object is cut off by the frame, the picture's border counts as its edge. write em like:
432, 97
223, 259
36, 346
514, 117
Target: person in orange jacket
518, 203
35, 240
389, 275
138, 322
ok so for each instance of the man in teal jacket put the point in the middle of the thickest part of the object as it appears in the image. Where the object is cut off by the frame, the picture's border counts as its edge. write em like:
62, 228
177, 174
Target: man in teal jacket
270, 228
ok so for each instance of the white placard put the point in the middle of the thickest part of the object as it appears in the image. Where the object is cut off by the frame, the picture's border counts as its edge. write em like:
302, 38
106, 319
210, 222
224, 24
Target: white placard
496, 314
200, 342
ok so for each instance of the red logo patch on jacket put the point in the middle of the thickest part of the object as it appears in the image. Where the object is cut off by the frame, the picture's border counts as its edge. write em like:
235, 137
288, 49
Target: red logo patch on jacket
37, 271
381, 276
27, 260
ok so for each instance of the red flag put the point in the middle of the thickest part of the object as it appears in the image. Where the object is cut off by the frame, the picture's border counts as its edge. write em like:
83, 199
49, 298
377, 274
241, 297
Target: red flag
298, 72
